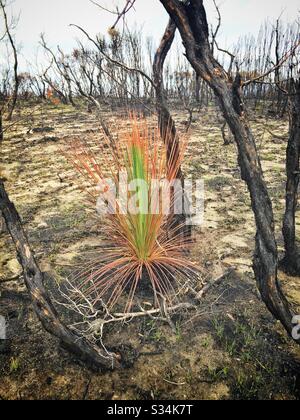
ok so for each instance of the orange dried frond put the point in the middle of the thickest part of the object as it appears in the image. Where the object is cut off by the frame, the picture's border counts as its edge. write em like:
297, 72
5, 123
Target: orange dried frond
139, 245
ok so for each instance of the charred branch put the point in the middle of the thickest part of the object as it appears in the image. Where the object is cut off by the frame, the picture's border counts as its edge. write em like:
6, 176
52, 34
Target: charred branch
42, 304
190, 19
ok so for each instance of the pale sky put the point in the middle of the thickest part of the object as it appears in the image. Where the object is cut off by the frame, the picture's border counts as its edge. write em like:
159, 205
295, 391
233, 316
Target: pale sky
53, 17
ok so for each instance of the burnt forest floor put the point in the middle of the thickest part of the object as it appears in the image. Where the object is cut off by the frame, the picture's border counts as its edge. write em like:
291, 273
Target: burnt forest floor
231, 348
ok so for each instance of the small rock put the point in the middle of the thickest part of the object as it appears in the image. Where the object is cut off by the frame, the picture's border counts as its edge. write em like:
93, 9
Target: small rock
42, 225
46, 267
14, 267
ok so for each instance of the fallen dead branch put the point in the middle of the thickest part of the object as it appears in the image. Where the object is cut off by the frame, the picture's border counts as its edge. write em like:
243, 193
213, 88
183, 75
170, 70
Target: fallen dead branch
278, 136
180, 306
9, 279
214, 282
94, 320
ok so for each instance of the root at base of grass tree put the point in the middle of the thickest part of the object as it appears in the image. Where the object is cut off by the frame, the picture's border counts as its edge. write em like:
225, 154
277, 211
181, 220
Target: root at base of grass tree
94, 319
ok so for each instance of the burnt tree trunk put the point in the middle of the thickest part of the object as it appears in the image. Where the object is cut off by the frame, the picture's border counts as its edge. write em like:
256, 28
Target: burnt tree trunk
190, 18
1, 126
13, 103
42, 305
166, 123
197, 89
291, 260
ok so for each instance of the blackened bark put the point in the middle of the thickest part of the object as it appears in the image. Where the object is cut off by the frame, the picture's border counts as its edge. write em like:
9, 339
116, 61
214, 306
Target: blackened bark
197, 89
291, 260
41, 302
190, 19
167, 125
226, 139
1, 126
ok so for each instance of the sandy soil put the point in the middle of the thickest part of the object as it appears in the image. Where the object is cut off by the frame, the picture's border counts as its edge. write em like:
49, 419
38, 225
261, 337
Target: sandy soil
230, 348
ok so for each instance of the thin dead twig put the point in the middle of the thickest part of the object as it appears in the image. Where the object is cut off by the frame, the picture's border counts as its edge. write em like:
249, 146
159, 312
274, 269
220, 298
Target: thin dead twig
112, 60
278, 136
212, 283
9, 279
119, 13
274, 68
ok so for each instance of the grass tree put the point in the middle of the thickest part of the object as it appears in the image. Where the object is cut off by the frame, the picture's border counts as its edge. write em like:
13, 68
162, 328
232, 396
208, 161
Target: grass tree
136, 184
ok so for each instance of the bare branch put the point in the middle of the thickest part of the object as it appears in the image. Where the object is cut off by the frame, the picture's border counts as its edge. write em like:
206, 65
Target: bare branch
113, 12
119, 13
276, 67
113, 61
218, 27
128, 6
16, 64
